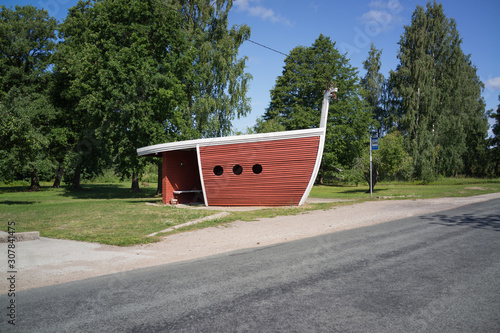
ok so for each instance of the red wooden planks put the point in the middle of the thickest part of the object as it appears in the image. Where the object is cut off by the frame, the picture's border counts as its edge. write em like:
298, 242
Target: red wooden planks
286, 167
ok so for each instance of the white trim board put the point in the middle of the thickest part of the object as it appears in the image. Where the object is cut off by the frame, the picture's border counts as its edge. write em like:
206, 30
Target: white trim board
261, 137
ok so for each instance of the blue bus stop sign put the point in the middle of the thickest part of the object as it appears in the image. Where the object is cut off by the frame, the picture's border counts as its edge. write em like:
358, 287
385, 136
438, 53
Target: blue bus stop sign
374, 143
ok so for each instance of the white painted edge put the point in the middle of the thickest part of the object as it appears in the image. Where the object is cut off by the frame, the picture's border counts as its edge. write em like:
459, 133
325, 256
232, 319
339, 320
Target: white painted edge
316, 168
201, 175
324, 118
261, 137
188, 191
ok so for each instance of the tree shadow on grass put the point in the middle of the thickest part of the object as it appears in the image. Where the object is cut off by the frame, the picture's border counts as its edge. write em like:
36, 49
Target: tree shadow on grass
14, 189
108, 191
17, 202
489, 222
87, 191
352, 191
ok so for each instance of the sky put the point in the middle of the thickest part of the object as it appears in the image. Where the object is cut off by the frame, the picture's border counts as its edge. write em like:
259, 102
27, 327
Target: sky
353, 25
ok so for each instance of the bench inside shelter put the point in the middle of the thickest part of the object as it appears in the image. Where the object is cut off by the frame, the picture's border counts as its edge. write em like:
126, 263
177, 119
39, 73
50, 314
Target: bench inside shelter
181, 179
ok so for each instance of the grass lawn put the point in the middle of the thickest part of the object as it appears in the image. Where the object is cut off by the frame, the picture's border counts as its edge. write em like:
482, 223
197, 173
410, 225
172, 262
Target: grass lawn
104, 213
112, 214
448, 187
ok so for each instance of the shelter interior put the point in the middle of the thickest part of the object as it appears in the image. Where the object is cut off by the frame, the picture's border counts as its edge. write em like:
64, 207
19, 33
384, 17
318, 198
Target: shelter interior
181, 177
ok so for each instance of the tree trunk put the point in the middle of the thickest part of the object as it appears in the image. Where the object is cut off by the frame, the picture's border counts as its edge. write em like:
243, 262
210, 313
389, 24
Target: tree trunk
159, 187
76, 178
59, 174
135, 183
319, 178
35, 183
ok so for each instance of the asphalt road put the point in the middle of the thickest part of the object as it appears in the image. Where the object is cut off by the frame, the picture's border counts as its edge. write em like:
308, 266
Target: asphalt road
433, 273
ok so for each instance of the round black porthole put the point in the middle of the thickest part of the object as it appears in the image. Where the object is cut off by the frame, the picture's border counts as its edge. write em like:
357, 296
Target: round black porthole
237, 169
218, 170
257, 168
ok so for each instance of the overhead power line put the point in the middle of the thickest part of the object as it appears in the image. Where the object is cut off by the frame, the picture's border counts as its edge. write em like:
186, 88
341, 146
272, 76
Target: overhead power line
267, 47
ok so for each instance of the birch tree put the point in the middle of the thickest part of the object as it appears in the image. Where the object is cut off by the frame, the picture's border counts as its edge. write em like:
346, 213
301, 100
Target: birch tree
373, 89
439, 96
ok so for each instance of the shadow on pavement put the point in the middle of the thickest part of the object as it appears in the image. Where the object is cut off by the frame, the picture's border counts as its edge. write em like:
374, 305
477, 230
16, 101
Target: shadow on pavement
490, 222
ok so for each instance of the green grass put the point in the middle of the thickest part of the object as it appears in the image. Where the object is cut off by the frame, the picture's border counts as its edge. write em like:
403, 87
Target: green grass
447, 187
112, 214
104, 213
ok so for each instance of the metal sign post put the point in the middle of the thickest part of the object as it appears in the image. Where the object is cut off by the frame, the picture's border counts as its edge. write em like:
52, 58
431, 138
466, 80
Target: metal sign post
370, 184
373, 146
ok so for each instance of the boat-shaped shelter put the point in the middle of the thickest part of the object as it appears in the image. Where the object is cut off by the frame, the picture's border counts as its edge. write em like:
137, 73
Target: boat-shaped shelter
267, 169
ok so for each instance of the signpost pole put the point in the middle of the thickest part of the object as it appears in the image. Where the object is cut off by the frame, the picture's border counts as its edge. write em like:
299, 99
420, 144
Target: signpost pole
371, 191
373, 146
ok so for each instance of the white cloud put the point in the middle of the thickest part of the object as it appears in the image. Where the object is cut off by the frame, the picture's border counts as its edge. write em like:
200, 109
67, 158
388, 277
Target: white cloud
493, 83
394, 6
378, 4
382, 16
253, 8
376, 15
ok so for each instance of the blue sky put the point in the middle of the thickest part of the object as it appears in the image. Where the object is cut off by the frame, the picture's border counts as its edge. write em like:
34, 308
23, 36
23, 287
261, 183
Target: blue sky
353, 25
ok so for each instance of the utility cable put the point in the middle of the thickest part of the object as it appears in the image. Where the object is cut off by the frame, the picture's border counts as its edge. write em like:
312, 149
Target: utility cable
267, 47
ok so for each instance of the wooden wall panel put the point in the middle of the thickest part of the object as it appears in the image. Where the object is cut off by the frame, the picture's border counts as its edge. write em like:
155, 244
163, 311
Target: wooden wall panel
287, 166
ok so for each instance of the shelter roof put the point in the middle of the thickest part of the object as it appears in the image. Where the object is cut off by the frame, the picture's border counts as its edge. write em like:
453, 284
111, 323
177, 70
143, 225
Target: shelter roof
154, 150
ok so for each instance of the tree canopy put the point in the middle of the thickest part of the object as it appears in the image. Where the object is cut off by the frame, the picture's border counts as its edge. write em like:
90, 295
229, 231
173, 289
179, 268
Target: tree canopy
215, 81
27, 40
148, 72
438, 92
297, 96
373, 89
125, 74
121, 62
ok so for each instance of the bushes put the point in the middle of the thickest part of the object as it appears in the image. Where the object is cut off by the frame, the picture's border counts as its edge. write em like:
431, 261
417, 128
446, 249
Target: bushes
390, 162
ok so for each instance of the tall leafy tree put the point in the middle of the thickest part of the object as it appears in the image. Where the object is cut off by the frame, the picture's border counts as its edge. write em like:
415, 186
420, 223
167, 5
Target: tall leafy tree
215, 82
122, 60
298, 93
77, 63
146, 72
438, 95
373, 89
473, 107
27, 39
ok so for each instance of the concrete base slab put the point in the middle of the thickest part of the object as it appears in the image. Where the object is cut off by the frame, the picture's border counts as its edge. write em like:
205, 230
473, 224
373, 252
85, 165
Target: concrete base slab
19, 236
